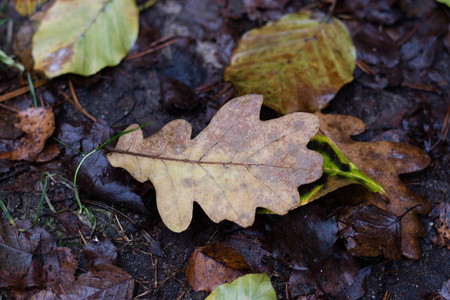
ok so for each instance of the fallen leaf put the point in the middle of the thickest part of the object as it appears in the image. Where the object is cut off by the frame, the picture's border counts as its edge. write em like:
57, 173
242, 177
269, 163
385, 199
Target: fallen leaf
236, 164
38, 124
383, 161
338, 171
96, 176
84, 36
251, 249
446, 2
250, 286
103, 281
176, 95
298, 63
213, 265
31, 259
369, 225
27, 7
442, 223
306, 240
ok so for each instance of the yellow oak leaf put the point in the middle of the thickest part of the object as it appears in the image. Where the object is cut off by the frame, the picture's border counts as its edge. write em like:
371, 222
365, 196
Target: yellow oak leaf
235, 165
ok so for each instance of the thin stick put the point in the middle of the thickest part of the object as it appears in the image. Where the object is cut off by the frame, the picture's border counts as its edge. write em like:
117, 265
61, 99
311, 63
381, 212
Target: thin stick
227, 87
364, 67
414, 30
80, 107
120, 214
9, 108
21, 91
82, 237
209, 86
153, 48
418, 86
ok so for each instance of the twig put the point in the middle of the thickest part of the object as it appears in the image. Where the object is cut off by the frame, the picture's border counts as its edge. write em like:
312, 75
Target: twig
21, 91
82, 237
364, 67
209, 86
120, 214
227, 87
414, 30
165, 41
79, 106
418, 86
9, 108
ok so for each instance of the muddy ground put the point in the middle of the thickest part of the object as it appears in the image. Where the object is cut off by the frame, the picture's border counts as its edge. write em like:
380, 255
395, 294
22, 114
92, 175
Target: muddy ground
208, 31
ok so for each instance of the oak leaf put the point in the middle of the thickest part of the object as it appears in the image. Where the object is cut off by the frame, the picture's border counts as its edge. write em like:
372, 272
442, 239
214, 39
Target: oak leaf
383, 161
298, 63
236, 164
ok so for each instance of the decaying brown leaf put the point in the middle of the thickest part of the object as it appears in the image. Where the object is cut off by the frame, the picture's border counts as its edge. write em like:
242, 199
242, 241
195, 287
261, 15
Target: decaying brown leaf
53, 272
369, 225
383, 161
236, 164
442, 214
38, 124
32, 259
213, 265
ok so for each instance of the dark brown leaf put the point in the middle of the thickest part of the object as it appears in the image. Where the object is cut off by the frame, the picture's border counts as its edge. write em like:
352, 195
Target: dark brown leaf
31, 258
369, 225
383, 161
442, 224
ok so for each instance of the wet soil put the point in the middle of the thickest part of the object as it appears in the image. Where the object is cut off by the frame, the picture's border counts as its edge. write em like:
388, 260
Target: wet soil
208, 30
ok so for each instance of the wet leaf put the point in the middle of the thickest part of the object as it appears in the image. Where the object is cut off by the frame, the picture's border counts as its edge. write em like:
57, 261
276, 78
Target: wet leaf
384, 161
38, 124
446, 2
213, 265
84, 36
250, 286
27, 7
306, 241
442, 224
298, 63
31, 259
338, 171
103, 281
369, 225
96, 176
236, 164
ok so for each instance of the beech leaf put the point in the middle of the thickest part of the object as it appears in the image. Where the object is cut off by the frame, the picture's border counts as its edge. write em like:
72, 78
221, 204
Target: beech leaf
250, 286
84, 36
298, 63
236, 164
27, 7
384, 161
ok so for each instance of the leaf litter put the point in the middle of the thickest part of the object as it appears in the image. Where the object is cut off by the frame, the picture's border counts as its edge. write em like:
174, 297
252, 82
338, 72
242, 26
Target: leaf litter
413, 11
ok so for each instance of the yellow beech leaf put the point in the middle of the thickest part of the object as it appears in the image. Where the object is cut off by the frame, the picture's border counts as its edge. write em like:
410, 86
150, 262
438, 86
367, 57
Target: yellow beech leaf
27, 7
298, 63
84, 36
236, 164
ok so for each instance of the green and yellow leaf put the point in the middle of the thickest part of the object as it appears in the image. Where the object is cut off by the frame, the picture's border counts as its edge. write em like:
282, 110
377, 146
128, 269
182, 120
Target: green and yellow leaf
249, 287
298, 63
84, 36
